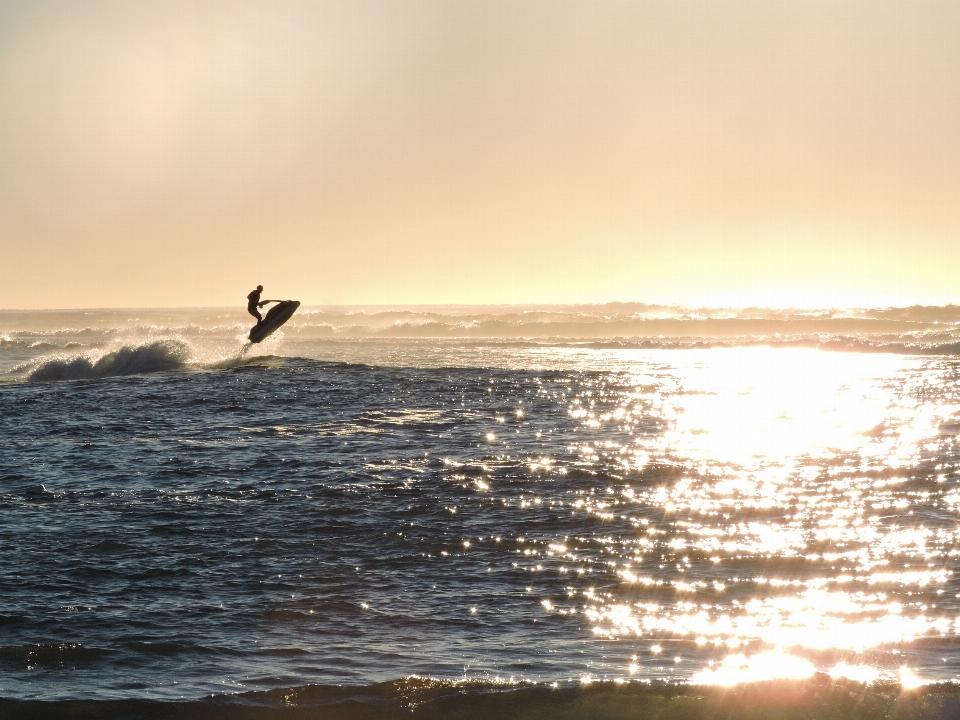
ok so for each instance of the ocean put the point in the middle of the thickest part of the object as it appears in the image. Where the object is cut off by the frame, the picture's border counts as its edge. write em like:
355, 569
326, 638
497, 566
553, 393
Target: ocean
482, 497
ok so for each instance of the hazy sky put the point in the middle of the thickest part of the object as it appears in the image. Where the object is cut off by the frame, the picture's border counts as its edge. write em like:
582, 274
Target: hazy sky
172, 153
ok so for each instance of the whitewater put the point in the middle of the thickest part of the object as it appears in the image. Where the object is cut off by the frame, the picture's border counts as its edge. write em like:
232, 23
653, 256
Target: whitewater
84, 344
475, 497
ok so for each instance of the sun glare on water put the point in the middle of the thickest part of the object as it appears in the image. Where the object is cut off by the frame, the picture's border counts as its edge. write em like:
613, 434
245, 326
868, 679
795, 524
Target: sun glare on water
761, 407
785, 528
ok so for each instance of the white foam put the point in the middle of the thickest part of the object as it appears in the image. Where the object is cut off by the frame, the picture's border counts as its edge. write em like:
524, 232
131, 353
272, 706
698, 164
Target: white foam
127, 360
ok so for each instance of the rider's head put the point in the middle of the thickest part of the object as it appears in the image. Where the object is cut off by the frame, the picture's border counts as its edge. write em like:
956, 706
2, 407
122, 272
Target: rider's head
259, 288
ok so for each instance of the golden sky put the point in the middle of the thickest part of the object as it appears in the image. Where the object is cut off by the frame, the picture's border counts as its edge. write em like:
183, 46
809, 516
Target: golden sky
345, 152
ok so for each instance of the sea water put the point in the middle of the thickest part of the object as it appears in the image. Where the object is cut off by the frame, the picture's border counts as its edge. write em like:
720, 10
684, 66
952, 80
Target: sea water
503, 495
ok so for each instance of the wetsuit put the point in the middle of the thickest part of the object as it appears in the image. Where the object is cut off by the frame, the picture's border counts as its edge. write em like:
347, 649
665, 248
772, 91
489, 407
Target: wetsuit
252, 300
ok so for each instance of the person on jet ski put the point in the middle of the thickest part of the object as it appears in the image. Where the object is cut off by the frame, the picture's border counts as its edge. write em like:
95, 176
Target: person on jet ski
254, 302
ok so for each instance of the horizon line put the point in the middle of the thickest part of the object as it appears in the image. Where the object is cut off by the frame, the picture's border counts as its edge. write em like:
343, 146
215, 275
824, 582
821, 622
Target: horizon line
385, 306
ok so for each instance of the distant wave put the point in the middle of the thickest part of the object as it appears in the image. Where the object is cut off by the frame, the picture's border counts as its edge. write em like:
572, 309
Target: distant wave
153, 357
914, 328
43, 347
613, 320
80, 332
175, 354
833, 344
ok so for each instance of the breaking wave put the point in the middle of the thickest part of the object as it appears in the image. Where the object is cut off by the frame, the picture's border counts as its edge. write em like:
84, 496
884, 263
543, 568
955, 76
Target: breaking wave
153, 357
84, 345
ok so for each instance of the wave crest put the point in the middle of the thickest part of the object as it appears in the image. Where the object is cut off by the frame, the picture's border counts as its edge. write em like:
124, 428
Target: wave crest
152, 357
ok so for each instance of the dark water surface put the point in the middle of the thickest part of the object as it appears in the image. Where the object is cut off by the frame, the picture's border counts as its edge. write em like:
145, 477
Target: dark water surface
567, 515
280, 523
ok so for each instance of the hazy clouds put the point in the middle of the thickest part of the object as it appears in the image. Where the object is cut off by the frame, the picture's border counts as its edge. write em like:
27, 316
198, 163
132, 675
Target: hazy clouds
176, 152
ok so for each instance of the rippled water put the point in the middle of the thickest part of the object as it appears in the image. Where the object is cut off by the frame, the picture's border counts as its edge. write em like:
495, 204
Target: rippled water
358, 510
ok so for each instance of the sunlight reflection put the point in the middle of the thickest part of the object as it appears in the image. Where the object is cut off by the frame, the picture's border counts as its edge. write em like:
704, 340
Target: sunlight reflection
909, 679
815, 619
770, 405
737, 669
858, 673
772, 493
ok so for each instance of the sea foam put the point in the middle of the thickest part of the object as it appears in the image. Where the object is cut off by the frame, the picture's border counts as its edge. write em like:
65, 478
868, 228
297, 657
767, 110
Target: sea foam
127, 360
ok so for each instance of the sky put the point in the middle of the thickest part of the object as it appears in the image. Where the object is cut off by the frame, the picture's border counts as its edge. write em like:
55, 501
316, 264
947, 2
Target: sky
178, 153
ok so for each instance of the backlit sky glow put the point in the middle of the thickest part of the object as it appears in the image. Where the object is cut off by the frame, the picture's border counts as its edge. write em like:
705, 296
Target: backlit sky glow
345, 152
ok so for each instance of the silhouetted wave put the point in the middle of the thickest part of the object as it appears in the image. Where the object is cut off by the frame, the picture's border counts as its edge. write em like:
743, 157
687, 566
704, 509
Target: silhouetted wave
153, 357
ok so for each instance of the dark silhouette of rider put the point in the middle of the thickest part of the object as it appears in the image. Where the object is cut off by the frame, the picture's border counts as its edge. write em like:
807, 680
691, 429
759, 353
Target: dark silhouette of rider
253, 302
